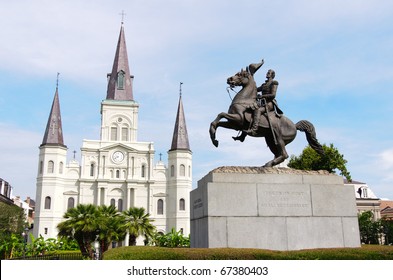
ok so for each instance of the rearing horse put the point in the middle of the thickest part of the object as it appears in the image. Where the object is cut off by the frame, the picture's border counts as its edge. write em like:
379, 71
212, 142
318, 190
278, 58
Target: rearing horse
278, 131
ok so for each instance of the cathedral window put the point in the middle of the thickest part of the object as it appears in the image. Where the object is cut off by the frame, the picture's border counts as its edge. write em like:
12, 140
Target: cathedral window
189, 171
120, 80
41, 166
70, 203
172, 170
51, 166
113, 202
124, 134
47, 202
182, 170
117, 174
182, 204
92, 167
113, 133
143, 171
61, 165
160, 207
120, 205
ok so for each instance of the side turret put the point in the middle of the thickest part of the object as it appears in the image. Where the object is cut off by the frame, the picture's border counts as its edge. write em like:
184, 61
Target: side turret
180, 175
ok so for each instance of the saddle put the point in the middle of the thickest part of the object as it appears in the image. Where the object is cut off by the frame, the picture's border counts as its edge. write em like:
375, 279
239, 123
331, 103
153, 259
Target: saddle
263, 121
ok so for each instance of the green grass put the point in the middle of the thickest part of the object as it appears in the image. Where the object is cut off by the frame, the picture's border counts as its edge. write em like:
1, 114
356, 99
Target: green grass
366, 252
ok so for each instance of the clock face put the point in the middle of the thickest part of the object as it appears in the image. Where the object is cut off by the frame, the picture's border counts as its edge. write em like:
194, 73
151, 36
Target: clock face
117, 156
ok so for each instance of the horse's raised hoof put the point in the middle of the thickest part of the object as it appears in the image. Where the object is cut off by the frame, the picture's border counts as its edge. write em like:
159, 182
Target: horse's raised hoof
238, 138
215, 143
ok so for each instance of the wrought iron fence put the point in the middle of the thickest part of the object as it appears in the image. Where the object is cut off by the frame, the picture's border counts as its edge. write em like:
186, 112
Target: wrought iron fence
70, 256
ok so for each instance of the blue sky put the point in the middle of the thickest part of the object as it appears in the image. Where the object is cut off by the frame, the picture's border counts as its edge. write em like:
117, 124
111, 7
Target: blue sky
333, 60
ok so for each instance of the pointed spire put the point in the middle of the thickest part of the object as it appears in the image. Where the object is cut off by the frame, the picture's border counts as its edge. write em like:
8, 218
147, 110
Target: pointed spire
54, 131
120, 79
180, 135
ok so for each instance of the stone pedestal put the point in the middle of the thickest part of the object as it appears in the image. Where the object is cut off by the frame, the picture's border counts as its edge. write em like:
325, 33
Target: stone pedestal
273, 208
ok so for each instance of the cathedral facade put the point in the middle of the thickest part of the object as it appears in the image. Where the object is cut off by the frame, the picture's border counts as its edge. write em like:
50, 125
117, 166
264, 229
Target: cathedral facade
116, 169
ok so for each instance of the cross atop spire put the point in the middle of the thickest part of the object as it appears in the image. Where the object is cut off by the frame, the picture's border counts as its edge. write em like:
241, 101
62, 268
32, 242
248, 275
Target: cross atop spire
57, 80
122, 16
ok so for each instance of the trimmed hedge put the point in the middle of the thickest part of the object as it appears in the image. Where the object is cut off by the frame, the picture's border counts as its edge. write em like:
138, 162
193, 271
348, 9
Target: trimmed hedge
366, 252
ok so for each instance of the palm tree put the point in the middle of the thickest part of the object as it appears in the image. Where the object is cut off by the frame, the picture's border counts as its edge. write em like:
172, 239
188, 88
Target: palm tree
137, 223
112, 226
82, 224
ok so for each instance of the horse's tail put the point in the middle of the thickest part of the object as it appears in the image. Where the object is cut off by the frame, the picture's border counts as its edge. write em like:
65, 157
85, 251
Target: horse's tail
311, 136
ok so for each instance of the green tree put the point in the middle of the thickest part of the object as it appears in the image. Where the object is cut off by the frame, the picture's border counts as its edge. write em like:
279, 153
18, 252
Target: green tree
87, 223
331, 161
137, 223
11, 247
111, 226
369, 229
387, 229
12, 224
81, 222
171, 239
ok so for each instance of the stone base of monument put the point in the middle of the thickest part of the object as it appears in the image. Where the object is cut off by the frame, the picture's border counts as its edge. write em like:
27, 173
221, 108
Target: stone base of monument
273, 208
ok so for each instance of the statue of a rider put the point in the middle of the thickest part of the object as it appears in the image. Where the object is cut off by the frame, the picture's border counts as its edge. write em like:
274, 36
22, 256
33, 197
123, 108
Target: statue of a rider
266, 101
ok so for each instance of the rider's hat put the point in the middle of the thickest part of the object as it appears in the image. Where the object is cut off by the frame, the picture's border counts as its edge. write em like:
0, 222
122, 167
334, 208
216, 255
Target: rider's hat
254, 67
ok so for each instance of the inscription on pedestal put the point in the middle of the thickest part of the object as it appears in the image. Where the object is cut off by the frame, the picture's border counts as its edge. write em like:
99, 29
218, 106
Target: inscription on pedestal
198, 203
284, 202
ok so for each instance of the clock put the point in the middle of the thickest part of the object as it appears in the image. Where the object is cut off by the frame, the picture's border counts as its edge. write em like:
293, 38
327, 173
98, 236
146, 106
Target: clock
117, 156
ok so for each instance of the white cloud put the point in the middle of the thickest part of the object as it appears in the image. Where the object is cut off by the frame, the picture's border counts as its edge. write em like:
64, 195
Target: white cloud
386, 159
19, 158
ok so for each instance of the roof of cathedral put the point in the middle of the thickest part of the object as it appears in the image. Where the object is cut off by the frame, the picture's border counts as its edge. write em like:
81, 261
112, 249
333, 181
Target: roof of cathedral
54, 130
120, 80
180, 135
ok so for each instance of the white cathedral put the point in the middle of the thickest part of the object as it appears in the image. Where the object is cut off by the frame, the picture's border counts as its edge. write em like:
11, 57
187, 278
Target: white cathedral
116, 169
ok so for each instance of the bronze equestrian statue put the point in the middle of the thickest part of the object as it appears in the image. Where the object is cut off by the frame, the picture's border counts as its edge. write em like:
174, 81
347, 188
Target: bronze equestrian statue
259, 116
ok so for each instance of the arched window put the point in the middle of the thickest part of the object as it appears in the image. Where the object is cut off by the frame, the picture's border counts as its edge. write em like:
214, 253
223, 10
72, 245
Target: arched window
143, 171
113, 133
117, 174
41, 166
189, 171
120, 205
182, 170
113, 202
92, 166
160, 207
124, 134
182, 204
120, 80
61, 165
70, 203
51, 166
172, 171
47, 202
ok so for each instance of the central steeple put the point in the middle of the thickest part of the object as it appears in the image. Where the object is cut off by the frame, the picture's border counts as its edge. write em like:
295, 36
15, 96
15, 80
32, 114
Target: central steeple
120, 79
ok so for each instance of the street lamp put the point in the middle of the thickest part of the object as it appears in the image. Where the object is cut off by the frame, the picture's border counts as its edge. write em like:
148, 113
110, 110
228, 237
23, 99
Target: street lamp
25, 236
96, 245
